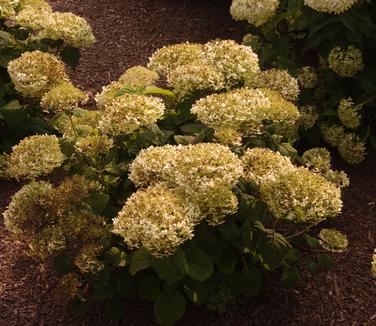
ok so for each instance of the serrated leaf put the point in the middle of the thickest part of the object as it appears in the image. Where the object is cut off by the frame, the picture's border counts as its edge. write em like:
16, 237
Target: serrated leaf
71, 56
114, 309
98, 202
325, 261
312, 242
149, 288
63, 264
290, 276
115, 257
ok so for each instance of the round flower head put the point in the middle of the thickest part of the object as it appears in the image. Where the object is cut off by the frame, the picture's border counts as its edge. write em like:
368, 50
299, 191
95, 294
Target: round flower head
214, 203
63, 97
50, 240
301, 196
108, 93
352, 149
157, 219
85, 123
35, 156
278, 80
127, 113
256, 12
8, 8
346, 62
67, 289
262, 164
333, 240
307, 78
28, 212
170, 57
94, 146
348, 113
317, 159
33, 14
187, 79
308, 116
154, 164
35, 73
236, 62
139, 77
330, 6
333, 135
339, 178
72, 29
207, 165
4, 165
240, 110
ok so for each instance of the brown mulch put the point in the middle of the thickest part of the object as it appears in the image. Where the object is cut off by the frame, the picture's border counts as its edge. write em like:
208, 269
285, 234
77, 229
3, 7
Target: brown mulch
128, 31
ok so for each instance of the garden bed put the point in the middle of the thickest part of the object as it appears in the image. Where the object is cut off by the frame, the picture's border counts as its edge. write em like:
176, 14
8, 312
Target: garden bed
127, 33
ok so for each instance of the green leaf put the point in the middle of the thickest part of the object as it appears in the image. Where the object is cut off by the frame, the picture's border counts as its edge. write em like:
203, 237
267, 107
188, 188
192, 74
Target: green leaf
149, 288
311, 265
126, 286
63, 264
103, 291
71, 56
158, 91
172, 268
79, 306
228, 261
98, 202
290, 276
141, 259
272, 247
200, 265
169, 308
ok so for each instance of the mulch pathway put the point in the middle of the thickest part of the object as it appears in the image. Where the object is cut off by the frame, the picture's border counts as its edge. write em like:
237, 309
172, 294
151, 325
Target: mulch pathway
128, 32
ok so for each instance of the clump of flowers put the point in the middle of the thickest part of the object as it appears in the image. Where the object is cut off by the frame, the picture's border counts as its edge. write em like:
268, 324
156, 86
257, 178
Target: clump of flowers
108, 93
127, 113
346, 62
307, 77
157, 219
8, 8
277, 80
87, 259
254, 11
236, 62
170, 57
67, 289
139, 77
35, 156
33, 14
72, 29
245, 110
333, 240
63, 97
35, 73
228, 136
348, 113
261, 164
4, 166
352, 149
317, 158
330, 6
187, 79
333, 135
49, 218
308, 116
94, 146
301, 196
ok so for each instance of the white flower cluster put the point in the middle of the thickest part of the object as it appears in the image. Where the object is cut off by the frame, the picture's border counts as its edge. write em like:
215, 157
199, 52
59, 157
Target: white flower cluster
127, 113
348, 113
256, 12
186, 184
330, 6
35, 73
35, 156
278, 80
8, 8
213, 65
307, 77
244, 111
308, 116
39, 16
346, 62
292, 193
333, 240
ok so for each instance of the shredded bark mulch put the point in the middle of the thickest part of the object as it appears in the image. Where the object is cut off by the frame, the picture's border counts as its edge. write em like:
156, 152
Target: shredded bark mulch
128, 32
